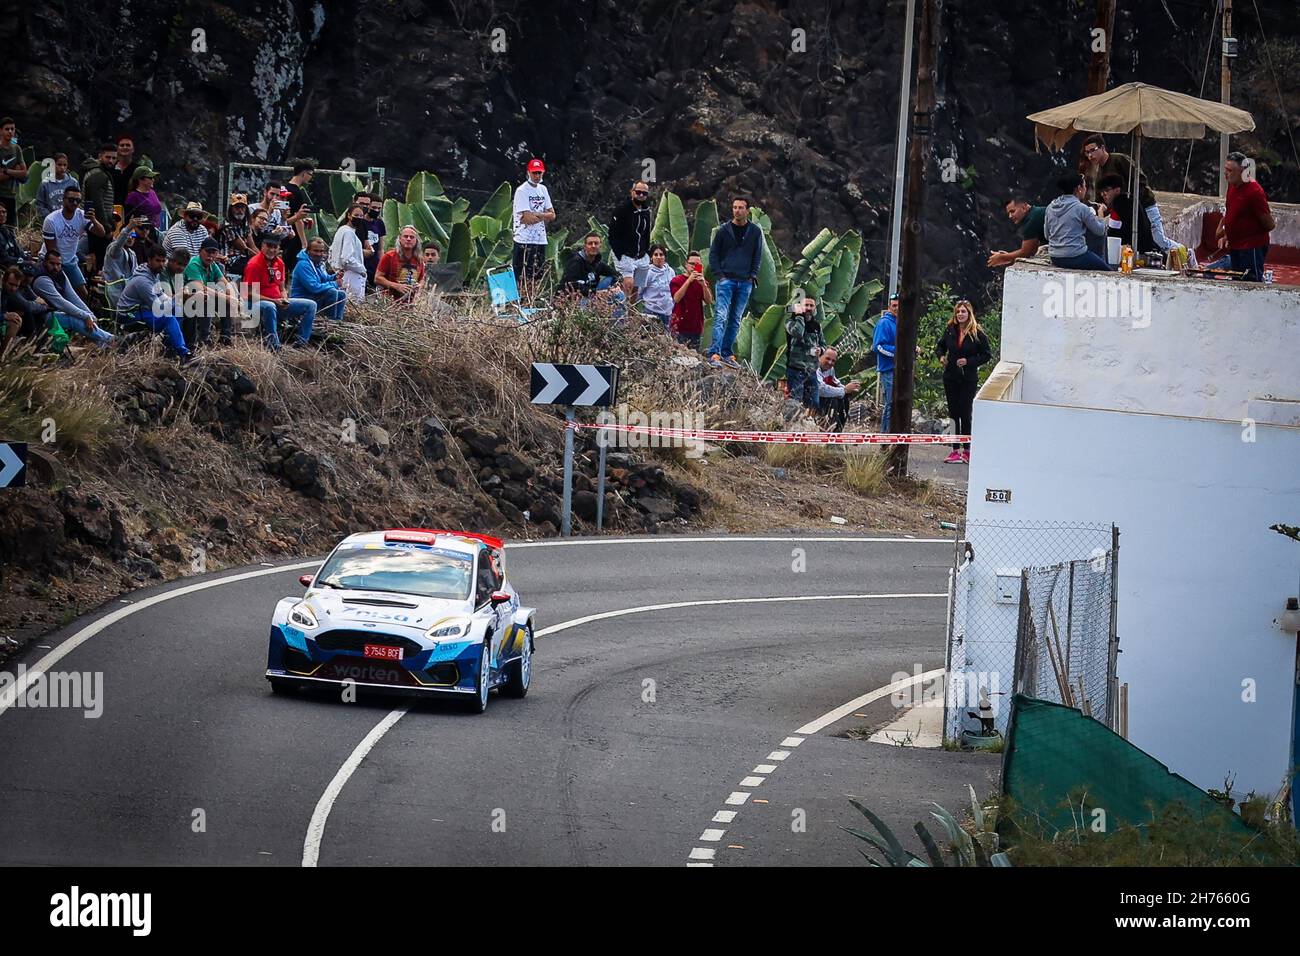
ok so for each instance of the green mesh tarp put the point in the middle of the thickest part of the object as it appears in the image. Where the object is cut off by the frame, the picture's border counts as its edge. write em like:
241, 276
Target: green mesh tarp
1054, 753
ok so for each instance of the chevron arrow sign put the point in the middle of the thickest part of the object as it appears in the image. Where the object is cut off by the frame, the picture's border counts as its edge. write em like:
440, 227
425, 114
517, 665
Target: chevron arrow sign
580, 385
13, 463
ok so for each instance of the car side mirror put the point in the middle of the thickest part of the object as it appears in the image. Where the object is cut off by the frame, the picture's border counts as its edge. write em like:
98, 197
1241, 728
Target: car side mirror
305, 580
499, 597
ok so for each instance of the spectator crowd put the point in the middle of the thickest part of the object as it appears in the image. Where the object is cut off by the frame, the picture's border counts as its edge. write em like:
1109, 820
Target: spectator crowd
113, 262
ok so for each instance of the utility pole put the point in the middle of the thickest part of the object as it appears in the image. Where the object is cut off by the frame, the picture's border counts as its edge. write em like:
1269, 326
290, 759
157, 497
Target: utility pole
1228, 52
909, 292
904, 102
1099, 67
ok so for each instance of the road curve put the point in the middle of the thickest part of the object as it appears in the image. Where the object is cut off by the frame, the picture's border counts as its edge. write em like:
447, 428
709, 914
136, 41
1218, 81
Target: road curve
637, 728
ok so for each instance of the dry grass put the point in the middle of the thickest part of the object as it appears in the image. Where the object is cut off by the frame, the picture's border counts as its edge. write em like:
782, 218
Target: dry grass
866, 472
43, 403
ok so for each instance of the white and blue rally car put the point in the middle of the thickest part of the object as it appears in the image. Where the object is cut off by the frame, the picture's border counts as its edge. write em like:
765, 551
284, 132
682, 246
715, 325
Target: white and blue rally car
407, 610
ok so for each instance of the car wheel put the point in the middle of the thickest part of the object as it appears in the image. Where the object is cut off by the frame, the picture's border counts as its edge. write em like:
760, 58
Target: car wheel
281, 686
519, 674
482, 685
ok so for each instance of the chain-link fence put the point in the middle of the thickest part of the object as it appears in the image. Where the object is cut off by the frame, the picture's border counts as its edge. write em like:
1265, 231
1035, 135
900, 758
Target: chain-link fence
1064, 634
1029, 612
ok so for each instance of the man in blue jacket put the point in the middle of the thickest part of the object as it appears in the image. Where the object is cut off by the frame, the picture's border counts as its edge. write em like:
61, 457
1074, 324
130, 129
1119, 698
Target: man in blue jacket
734, 258
313, 280
883, 344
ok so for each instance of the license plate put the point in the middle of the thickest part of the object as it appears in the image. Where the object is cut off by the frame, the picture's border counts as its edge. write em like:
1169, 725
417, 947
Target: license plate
382, 652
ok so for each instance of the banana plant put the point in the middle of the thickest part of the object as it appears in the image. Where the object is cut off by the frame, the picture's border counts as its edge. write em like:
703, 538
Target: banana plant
671, 231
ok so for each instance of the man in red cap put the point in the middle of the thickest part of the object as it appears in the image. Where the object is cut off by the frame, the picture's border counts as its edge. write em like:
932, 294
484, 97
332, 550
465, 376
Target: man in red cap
533, 210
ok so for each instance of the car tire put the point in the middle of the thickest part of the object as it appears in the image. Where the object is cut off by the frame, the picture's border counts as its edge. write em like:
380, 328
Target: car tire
281, 686
519, 674
483, 681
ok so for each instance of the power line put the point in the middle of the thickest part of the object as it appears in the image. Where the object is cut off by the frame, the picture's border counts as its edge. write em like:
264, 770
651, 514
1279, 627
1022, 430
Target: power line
1268, 58
1214, 21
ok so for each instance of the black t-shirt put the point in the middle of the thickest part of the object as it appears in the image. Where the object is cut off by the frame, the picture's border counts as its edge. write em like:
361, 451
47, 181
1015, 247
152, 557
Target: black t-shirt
298, 196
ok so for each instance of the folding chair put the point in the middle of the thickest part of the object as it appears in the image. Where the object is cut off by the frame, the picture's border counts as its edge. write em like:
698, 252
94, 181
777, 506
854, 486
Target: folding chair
504, 291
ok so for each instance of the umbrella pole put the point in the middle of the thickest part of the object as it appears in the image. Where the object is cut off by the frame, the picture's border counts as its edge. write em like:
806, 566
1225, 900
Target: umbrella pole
1135, 197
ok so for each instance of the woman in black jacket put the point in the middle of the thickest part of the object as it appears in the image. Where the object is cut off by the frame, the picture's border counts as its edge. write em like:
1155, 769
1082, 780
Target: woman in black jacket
962, 349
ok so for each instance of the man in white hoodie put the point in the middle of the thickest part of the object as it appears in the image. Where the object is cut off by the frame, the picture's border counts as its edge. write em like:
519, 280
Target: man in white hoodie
347, 253
1068, 222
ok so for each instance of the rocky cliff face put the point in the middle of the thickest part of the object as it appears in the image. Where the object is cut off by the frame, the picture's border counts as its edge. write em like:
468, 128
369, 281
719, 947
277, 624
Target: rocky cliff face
793, 103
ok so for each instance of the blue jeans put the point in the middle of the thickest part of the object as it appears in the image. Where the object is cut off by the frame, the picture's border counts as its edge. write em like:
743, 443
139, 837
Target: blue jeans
72, 323
329, 304
272, 313
72, 269
1250, 261
169, 326
887, 397
803, 386
1089, 260
732, 297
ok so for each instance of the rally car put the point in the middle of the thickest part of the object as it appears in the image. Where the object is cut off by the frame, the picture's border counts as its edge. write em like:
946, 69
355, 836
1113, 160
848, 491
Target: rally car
407, 610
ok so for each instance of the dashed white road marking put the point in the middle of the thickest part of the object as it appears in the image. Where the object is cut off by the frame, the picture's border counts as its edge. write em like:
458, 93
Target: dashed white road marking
812, 727
712, 835
703, 853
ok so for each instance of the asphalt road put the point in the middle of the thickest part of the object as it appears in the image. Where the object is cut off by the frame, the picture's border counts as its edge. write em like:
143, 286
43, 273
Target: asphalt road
635, 733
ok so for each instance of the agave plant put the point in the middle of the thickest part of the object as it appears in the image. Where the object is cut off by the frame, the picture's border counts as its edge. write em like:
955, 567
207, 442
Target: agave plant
966, 850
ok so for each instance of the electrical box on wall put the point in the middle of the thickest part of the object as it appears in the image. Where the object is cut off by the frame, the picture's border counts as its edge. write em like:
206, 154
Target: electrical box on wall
1008, 581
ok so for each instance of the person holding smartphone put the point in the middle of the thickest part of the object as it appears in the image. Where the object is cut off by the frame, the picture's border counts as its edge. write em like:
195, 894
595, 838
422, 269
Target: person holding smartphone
690, 292
374, 235
122, 257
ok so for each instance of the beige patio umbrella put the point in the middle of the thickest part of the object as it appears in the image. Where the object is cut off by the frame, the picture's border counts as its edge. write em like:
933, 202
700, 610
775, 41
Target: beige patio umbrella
1139, 110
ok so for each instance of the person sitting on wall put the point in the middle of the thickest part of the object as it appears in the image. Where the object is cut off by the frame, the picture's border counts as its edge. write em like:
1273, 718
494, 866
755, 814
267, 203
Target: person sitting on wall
1029, 219
1068, 223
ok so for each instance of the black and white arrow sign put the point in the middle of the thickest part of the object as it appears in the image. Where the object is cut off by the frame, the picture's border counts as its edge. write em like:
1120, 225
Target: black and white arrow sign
13, 463
583, 385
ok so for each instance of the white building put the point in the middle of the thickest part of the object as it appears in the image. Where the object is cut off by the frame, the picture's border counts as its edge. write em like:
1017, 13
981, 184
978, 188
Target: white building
1170, 407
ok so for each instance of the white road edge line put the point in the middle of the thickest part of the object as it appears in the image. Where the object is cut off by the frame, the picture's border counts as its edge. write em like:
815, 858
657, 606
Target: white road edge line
825, 720
606, 615
108, 620
316, 829
673, 539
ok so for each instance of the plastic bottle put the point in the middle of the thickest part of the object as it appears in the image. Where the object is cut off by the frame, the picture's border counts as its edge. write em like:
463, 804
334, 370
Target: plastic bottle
1126, 260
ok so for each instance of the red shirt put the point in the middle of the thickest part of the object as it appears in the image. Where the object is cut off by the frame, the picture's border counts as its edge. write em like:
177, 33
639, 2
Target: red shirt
396, 269
1246, 207
266, 279
688, 311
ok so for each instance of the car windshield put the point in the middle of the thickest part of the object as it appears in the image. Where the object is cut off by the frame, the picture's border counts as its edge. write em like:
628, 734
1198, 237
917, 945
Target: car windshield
402, 569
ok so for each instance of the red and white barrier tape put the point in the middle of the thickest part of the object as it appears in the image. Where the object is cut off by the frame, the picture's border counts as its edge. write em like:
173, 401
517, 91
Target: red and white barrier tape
779, 438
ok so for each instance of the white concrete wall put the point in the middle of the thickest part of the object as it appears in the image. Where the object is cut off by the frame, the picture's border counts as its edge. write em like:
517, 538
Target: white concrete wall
1201, 576
1200, 348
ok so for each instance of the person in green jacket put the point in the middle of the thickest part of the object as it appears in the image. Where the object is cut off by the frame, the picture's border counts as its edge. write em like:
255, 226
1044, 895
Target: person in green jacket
804, 342
97, 194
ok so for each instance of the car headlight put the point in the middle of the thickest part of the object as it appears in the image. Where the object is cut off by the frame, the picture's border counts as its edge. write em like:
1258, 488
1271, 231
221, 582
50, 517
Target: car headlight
446, 629
300, 615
